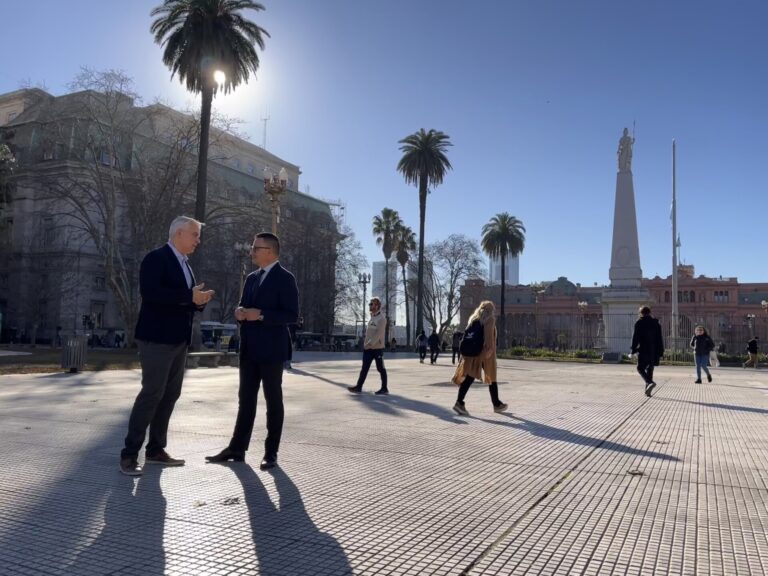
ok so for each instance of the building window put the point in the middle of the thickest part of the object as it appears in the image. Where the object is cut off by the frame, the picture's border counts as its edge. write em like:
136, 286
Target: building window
97, 314
12, 115
693, 296
42, 314
99, 283
251, 169
666, 296
49, 234
6, 232
107, 159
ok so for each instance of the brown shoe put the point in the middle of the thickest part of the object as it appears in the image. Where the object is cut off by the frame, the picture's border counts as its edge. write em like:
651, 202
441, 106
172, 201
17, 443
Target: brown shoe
130, 467
164, 459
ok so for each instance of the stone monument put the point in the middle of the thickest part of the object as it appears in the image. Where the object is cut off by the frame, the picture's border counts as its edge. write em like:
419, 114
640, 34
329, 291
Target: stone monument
622, 299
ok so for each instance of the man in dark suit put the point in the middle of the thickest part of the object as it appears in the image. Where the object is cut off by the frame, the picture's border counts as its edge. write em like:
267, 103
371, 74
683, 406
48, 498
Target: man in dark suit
268, 305
169, 300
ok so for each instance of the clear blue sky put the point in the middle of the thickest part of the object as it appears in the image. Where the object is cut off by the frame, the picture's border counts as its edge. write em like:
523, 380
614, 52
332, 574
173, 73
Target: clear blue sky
534, 95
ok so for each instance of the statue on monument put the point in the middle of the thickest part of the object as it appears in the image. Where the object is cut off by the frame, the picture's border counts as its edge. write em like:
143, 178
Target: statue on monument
625, 152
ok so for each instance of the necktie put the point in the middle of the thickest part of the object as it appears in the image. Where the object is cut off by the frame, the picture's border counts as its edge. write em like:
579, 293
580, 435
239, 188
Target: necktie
188, 276
255, 289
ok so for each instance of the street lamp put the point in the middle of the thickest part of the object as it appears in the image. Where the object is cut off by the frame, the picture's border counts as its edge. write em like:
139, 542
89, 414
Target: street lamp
750, 322
364, 279
243, 249
274, 187
582, 308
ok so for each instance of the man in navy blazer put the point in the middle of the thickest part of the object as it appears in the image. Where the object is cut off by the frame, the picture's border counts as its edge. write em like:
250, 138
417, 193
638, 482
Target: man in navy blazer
169, 300
268, 305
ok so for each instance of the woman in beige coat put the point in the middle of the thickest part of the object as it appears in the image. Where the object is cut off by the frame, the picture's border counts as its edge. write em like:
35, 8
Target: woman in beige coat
482, 366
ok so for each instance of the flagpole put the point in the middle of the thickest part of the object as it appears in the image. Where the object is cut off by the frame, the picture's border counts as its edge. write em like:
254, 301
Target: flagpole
675, 312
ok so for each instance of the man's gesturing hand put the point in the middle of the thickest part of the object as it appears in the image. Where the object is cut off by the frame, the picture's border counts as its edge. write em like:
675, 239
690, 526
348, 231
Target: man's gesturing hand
200, 296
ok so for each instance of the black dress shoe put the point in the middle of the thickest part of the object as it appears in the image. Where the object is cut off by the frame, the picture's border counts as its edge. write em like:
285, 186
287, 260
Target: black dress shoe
268, 462
355, 389
226, 455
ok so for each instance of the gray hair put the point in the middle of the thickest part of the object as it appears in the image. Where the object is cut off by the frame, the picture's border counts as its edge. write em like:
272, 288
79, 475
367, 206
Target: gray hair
179, 222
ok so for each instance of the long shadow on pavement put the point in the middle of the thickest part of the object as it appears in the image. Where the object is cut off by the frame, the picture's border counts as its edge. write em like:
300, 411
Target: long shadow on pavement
560, 434
732, 407
134, 526
392, 404
721, 406
286, 540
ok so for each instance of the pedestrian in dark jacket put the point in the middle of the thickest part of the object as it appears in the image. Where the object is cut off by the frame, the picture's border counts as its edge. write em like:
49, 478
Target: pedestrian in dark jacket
702, 345
752, 351
421, 345
434, 347
648, 344
455, 344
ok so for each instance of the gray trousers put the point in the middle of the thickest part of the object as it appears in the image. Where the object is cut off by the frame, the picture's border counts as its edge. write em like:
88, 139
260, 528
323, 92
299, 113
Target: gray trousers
162, 372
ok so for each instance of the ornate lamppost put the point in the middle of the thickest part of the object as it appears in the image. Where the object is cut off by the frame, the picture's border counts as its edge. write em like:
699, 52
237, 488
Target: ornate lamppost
274, 187
243, 250
364, 279
582, 309
751, 324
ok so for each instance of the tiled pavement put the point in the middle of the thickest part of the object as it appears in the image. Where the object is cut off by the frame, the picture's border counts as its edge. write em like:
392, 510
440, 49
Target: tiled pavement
585, 475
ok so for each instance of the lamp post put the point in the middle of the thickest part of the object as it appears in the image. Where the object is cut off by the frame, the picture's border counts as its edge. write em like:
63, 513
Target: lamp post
582, 308
274, 187
751, 324
243, 250
364, 279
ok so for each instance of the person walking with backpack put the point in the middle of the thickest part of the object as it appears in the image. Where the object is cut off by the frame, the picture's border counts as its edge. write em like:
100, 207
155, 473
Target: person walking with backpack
702, 345
421, 346
478, 357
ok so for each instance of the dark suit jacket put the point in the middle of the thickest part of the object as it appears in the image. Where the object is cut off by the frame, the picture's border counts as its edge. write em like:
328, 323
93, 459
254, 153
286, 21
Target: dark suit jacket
167, 309
647, 341
269, 340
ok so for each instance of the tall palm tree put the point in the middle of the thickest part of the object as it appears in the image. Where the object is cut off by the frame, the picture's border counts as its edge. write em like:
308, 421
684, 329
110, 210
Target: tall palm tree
503, 236
202, 37
384, 226
424, 162
404, 245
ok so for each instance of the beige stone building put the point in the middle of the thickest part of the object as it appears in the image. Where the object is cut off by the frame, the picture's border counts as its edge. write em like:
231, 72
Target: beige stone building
98, 181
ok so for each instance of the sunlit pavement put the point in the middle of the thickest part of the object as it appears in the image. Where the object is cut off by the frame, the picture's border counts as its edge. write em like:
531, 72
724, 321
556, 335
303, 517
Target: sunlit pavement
584, 475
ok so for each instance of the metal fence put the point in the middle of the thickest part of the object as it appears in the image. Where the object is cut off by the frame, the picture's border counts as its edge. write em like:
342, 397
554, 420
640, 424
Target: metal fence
591, 335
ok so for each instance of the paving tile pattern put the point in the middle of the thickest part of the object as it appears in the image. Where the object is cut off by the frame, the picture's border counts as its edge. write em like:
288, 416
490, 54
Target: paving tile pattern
585, 475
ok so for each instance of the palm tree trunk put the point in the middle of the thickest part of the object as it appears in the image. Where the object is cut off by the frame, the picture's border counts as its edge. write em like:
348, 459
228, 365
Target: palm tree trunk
200, 199
386, 298
503, 316
202, 156
407, 312
420, 276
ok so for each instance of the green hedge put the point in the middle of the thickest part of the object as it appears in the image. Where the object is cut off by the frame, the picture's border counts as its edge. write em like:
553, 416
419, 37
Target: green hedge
673, 358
